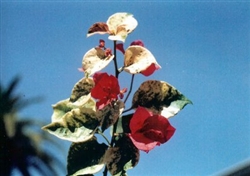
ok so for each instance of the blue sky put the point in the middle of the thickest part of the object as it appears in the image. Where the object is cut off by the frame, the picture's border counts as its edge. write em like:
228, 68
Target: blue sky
202, 47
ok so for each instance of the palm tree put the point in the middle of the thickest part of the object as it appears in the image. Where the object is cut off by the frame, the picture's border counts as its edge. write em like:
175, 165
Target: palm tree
18, 149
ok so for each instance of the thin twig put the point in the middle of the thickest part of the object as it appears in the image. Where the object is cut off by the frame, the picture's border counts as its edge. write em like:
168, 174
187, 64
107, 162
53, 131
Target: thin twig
130, 89
99, 132
127, 110
115, 61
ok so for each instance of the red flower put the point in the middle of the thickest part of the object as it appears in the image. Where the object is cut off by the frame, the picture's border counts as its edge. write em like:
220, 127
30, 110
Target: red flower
150, 70
148, 130
106, 89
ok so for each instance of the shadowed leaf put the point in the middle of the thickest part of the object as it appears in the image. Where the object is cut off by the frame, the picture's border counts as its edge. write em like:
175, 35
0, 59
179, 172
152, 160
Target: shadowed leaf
123, 124
109, 114
86, 157
81, 88
121, 157
160, 97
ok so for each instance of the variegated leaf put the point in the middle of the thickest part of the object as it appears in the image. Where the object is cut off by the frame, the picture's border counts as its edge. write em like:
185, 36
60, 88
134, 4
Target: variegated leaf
86, 158
82, 88
77, 125
98, 28
95, 60
64, 106
109, 114
121, 24
138, 59
120, 35
123, 156
160, 97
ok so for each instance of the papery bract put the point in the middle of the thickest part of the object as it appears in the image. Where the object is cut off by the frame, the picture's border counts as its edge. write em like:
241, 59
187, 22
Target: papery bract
106, 89
148, 130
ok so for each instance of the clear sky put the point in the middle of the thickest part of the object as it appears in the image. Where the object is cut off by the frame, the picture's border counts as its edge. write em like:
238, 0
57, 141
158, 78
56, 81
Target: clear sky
202, 47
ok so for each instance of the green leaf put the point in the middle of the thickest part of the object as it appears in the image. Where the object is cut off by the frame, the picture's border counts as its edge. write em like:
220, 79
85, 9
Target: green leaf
86, 157
160, 97
109, 114
95, 60
120, 25
98, 28
81, 88
123, 156
77, 125
138, 59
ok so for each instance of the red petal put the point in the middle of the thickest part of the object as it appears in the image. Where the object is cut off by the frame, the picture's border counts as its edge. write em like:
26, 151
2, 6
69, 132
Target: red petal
137, 121
143, 143
137, 42
158, 129
150, 70
119, 47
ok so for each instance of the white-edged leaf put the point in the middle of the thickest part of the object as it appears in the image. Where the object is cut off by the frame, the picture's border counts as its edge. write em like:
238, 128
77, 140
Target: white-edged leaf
89, 170
86, 157
160, 98
64, 106
138, 59
77, 125
95, 60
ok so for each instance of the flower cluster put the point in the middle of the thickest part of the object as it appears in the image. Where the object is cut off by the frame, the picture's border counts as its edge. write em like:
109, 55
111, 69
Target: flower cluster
97, 103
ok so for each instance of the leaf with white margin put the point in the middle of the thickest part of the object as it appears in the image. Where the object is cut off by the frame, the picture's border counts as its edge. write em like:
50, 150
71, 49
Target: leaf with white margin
95, 60
78, 125
160, 98
120, 24
81, 88
64, 106
86, 157
138, 59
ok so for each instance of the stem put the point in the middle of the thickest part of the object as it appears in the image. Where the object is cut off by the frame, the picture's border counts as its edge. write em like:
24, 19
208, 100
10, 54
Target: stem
130, 89
99, 132
105, 172
127, 110
115, 61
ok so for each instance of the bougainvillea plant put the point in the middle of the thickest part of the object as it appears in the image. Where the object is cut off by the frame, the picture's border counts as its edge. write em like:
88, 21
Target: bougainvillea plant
98, 103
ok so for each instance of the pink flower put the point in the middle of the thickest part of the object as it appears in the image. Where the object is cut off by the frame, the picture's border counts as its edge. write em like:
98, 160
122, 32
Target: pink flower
106, 89
148, 130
